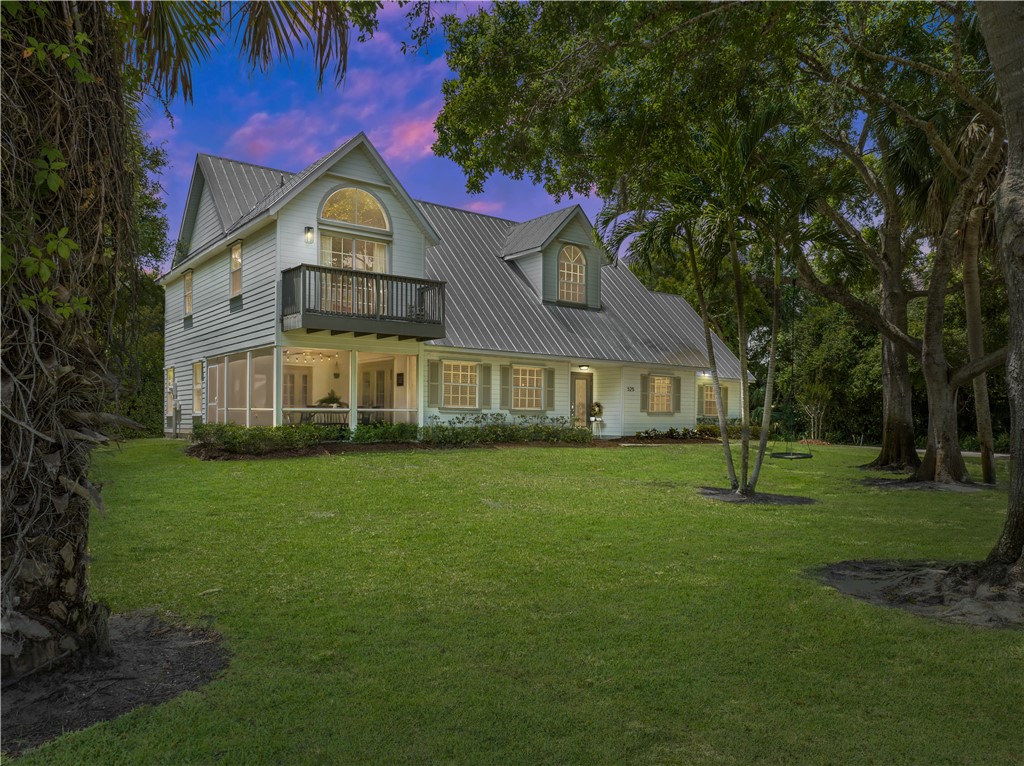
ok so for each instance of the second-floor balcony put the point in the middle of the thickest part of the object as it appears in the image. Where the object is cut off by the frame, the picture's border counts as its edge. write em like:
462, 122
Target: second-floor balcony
346, 300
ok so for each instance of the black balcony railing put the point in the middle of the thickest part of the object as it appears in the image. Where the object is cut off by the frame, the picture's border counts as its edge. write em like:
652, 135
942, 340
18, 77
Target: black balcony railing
345, 300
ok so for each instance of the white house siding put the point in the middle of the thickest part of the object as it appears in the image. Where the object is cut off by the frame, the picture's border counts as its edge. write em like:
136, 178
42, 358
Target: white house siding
220, 325
408, 247
634, 420
532, 267
434, 353
608, 391
207, 227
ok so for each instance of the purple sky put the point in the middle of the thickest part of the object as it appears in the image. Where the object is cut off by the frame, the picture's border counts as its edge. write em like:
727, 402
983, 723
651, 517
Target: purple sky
280, 120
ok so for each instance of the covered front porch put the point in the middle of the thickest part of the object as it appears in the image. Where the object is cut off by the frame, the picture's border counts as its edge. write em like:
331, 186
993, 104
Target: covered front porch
287, 384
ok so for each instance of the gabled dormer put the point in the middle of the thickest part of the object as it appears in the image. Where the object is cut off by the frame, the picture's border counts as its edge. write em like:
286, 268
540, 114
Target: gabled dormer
557, 256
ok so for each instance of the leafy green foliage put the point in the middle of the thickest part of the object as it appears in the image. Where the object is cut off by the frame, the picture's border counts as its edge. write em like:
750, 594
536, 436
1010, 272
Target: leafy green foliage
261, 440
385, 433
497, 428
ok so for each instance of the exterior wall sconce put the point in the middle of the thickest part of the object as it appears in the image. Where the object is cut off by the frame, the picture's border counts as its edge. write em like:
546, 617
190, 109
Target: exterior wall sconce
585, 367
309, 235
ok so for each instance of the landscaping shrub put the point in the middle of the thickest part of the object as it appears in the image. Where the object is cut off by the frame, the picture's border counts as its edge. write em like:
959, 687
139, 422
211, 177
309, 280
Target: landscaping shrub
671, 433
711, 431
260, 440
497, 428
385, 432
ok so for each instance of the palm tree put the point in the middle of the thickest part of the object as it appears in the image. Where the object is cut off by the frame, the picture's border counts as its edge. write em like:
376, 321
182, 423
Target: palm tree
724, 183
69, 236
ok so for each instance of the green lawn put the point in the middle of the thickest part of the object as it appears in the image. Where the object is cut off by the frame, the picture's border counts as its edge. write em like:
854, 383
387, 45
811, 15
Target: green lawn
536, 606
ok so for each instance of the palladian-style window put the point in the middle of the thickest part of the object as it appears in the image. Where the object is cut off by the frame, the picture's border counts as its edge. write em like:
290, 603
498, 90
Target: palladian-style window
572, 275
355, 206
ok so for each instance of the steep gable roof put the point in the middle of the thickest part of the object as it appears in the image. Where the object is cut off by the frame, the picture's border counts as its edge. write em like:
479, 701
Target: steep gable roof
236, 187
532, 235
243, 192
490, 306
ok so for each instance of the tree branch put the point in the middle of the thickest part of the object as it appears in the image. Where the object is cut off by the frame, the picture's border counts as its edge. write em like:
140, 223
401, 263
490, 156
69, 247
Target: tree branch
976, 367
808, 280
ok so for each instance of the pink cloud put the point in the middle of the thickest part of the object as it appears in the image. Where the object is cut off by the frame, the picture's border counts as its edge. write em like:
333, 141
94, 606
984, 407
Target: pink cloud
297, 135
483, 206
407, 140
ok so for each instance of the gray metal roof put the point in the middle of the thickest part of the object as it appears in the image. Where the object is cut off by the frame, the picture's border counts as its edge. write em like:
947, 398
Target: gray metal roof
532, 235
491, 307
238, 187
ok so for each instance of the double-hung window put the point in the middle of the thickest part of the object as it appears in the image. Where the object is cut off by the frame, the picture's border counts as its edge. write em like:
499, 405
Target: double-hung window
169, 401
197, 388
459, 383
660, 396
527, 388
710, 405
188, 292
236, 268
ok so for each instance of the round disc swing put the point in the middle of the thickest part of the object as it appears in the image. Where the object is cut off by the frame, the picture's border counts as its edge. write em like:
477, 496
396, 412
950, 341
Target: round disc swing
791, 449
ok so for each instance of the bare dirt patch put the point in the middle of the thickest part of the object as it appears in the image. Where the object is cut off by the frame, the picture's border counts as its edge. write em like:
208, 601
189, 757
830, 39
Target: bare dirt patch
152, 662
941, 590
922, 486
758, 498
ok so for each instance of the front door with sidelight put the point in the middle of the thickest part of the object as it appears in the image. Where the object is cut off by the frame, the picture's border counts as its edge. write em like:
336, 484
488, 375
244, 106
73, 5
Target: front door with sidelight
582, 398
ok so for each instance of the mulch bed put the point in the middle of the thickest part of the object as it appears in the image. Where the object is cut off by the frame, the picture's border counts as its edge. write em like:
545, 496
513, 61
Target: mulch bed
758, 498
941, 590
204, 452
152, 662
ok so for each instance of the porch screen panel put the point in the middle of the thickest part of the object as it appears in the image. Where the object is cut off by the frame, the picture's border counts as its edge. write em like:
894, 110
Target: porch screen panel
238, 381
261, 395
214, 390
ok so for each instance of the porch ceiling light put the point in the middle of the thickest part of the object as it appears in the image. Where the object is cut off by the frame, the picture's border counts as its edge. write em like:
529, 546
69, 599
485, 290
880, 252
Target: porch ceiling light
309, 235
584, 367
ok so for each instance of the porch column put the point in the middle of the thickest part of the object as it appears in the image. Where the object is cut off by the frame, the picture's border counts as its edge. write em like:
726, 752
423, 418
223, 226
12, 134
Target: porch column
278, 387
353, 389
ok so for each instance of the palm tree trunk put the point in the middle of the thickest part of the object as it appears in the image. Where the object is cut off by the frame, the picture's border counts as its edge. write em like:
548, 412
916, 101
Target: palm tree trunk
716, 383
769, 386
1002, 25
975, 343
741, 332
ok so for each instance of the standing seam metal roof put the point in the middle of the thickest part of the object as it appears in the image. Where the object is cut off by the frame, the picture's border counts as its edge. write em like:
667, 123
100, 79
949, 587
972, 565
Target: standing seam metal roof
491, 307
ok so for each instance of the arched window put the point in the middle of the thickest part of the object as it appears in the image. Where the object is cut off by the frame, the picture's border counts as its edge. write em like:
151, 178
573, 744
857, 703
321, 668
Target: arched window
572, 275
355, 206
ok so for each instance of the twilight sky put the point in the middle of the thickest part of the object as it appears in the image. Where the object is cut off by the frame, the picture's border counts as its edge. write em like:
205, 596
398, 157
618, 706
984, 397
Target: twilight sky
281, 121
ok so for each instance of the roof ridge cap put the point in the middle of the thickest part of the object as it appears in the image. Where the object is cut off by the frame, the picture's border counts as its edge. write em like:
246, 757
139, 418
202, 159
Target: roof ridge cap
467, 212
243, 162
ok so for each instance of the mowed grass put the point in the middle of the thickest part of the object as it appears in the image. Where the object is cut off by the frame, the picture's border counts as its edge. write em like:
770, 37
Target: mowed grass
529, 606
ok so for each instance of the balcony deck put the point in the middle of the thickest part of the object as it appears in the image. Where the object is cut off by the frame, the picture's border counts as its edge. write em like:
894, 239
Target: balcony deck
317, 298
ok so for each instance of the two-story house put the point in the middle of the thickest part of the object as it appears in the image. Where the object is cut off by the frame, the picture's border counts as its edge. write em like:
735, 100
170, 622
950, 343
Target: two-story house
330, 295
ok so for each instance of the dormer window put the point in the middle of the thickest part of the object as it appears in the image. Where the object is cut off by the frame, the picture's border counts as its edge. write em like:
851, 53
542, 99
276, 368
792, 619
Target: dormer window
572, 275
355, 206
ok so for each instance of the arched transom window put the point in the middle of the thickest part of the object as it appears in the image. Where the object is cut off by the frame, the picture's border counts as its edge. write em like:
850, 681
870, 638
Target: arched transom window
355, 206
572, 275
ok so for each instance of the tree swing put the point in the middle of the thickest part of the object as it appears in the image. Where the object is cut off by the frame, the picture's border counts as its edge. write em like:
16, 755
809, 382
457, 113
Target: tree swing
792, 449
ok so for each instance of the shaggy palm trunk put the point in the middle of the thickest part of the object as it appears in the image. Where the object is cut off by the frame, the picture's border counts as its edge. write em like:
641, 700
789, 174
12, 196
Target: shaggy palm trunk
741, 336
976, 344
1003, 28
723, 424
53, 378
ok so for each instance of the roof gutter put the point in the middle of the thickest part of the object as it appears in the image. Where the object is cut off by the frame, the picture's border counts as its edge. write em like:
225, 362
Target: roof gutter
208, 252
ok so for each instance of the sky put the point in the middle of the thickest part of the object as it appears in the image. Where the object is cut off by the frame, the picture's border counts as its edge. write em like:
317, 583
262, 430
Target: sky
280, 120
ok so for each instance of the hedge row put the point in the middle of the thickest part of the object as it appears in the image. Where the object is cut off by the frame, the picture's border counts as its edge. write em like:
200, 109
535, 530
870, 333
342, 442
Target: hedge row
459, 432
496, 428
702, 431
